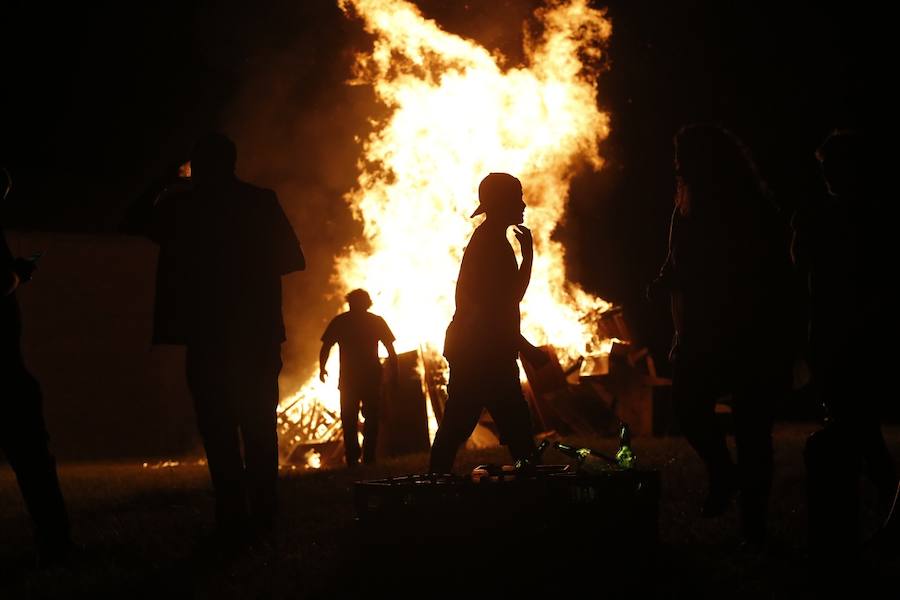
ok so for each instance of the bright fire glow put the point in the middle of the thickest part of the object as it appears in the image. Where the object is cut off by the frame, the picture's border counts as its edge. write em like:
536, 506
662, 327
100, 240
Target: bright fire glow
456, 113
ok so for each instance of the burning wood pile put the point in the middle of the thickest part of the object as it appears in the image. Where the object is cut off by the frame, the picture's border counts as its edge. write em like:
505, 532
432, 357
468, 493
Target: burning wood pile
591, 395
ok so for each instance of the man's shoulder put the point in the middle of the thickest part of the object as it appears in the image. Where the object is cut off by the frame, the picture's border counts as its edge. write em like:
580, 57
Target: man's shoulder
487, 250
335, 327
169, 197
254, 192
375, 319
339, 321
486, 240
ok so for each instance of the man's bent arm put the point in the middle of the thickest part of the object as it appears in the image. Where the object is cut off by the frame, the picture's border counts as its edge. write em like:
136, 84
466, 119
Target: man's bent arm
524, 276
323, 359
393, 361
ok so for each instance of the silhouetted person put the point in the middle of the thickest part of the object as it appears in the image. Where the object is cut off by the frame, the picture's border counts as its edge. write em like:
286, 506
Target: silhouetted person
23, 434
357, 333
842, 244
728, 272
224, 246
483, 339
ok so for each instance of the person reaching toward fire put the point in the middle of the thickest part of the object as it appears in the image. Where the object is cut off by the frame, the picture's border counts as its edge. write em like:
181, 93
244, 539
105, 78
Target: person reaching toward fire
224, 246
357, 333
483, 339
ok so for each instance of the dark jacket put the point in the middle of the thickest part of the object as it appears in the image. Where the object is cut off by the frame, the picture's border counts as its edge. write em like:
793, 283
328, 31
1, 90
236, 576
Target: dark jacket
223, 250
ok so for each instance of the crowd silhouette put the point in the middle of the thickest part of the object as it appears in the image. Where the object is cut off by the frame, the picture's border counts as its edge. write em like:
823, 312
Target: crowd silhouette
224, 246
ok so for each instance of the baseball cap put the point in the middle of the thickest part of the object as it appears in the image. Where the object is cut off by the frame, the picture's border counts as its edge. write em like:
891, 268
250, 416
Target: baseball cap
496, 190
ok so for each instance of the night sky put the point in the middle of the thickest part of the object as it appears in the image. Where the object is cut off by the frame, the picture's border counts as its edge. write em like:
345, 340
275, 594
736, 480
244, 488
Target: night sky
98, 99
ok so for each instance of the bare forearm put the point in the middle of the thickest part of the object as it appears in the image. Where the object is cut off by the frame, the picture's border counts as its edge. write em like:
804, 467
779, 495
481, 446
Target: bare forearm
323, 356
392, 357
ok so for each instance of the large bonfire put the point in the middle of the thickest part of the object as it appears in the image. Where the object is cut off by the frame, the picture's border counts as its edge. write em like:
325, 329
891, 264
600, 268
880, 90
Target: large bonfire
456, 112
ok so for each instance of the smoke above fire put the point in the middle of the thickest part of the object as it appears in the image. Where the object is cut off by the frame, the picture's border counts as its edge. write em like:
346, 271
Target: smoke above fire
453, 111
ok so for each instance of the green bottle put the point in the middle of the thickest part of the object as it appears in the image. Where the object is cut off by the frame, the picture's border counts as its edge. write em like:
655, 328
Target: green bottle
579, 454
625, 456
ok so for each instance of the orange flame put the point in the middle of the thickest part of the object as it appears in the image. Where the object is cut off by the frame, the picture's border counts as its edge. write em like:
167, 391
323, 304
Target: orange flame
455, 114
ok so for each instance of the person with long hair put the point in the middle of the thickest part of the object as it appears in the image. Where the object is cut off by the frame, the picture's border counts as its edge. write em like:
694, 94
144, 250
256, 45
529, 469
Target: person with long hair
728, 273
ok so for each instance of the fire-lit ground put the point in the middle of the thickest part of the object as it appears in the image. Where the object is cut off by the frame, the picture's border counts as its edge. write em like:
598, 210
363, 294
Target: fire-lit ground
140, 529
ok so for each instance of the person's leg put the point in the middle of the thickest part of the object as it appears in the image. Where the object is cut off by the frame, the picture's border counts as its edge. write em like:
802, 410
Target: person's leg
211, 387
868, 397
833, 464
461, 415
23, 438
832, 484
754, 414
371, 409
694, 401
878, 464
873, 398
258, 406
350, 423
510, 412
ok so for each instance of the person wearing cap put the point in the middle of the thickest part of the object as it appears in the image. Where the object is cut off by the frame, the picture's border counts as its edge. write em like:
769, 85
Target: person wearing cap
224, 246
357, 333
483, 339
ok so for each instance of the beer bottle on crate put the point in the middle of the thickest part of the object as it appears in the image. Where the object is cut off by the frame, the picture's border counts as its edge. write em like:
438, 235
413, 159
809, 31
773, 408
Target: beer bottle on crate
589, 460
579, 454
625, 457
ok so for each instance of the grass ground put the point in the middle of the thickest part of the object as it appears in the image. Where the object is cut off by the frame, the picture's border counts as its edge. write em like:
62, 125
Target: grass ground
139, 529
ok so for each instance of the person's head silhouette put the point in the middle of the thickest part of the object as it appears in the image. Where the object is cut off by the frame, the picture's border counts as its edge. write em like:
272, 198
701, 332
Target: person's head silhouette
359, 300
213, 159
714, 169
500, 198
845, 157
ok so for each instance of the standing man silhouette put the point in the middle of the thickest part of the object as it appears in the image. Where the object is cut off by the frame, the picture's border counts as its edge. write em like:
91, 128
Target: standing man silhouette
224, 246
483, 339
23, 434
843, 244
357, 333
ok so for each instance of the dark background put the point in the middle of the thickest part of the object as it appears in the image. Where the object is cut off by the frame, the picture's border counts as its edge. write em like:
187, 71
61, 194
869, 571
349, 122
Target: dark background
98, 99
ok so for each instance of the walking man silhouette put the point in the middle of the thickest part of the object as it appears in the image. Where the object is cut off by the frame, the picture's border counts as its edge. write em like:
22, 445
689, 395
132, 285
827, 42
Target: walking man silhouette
483, 339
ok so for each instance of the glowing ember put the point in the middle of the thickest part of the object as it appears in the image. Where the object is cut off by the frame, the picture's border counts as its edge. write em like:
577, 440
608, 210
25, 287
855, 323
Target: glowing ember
313, 459
170, 464
457, 113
